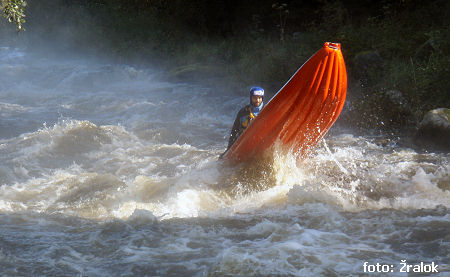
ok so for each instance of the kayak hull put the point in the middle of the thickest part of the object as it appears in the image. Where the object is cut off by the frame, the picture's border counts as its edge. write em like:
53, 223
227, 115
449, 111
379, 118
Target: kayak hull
301, 112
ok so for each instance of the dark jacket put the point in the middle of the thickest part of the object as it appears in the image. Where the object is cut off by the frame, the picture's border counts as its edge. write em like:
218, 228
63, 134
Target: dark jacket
243, 119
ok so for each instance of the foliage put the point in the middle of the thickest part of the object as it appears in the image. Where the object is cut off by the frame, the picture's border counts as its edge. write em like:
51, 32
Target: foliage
412, 39
14, 11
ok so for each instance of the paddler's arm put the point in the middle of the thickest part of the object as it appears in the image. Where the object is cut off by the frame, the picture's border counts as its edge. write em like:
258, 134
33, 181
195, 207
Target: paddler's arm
234, 134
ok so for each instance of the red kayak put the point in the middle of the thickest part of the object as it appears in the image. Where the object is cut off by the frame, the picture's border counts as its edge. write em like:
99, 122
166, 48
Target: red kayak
301, 112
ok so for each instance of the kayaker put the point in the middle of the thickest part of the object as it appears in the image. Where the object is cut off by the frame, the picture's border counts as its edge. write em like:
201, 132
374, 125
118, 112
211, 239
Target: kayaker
247, 114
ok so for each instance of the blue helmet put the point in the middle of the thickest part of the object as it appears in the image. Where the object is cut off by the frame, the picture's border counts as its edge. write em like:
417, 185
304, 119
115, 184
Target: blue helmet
257, 91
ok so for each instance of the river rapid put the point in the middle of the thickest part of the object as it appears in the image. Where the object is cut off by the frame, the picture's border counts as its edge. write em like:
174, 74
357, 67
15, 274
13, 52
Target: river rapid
111, 170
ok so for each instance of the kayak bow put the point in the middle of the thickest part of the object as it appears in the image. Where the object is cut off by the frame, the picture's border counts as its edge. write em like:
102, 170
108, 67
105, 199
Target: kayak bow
301, 112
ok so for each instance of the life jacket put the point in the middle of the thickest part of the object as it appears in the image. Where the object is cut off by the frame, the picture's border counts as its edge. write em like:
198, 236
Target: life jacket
243, 119
247, 119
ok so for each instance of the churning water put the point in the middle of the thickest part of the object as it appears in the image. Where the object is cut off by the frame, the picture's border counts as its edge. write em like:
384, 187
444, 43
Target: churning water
108, 170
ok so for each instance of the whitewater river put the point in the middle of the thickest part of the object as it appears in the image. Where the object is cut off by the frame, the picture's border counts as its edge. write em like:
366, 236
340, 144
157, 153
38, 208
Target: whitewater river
108, 170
